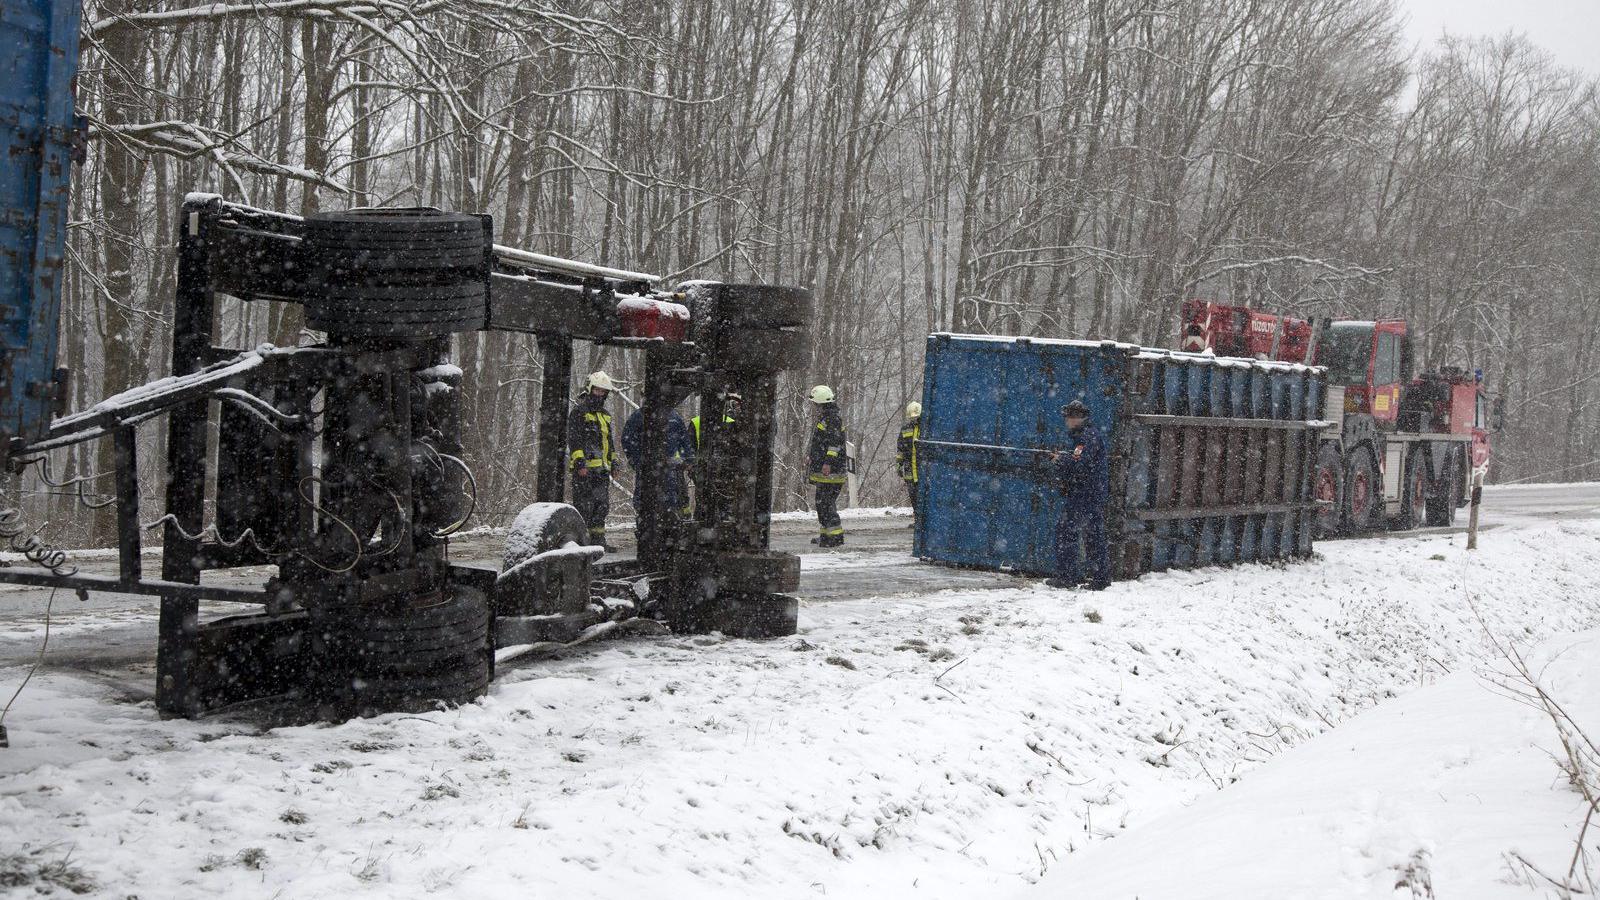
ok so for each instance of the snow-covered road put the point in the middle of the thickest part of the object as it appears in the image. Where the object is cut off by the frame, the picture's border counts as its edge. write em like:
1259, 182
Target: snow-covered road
948, 741
113, 635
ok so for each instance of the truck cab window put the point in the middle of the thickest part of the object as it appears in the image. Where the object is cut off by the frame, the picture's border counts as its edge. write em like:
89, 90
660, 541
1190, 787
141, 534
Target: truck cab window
1346, 349
1386, 369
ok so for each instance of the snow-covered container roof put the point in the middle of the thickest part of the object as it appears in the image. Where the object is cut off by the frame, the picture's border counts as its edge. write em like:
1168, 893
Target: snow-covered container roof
1206, 357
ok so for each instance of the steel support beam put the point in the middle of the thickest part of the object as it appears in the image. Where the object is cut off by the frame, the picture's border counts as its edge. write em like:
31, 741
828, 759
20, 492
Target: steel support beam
193, 323
125, 452
556, 353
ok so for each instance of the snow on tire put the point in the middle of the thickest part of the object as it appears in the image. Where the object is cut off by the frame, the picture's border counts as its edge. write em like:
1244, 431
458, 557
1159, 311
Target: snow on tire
541, 527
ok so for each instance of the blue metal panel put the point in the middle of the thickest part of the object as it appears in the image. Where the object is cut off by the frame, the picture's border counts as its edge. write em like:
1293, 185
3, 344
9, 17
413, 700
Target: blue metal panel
1217, 393
1239, 395
991, 416
37, 133
1197, 379
1249, 543
1174, 388
1260, 404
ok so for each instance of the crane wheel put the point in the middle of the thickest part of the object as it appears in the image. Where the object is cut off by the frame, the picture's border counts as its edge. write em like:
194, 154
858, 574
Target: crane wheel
396, 272
380, 658
560, 587
1414, 491
1328, 489
1361, 492
1446, 492
760, 350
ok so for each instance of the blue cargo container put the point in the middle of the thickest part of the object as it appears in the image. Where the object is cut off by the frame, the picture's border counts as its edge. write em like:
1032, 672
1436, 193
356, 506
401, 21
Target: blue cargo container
1212, 458
39, 133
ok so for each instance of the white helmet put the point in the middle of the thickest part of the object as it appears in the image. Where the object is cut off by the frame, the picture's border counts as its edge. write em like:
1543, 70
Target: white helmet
602, 381
913, 409
821, 394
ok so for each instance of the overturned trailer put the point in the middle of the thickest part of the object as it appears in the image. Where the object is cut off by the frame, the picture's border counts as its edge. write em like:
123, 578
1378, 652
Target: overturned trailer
1211, 458
339, 464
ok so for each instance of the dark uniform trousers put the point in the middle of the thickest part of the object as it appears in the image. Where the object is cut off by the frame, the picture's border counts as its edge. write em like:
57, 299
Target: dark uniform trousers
591, 497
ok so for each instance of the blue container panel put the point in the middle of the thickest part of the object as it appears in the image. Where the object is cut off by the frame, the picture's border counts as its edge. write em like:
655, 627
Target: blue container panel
1239, 395
1217, 396
1250, 539
984, 518
1196, 378
37, 127
1009, 394
991, 414
1174, 389
1260, 402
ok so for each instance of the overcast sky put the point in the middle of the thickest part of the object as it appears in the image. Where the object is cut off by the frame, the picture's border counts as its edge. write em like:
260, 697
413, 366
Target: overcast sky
1568, 28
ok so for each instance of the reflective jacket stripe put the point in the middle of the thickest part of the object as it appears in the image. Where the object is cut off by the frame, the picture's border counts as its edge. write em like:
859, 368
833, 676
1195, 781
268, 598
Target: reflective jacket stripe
589, 436
906, 449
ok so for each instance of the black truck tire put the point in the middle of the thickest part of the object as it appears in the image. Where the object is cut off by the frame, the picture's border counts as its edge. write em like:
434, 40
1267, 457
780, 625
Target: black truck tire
1363, 487
761, 306
540, 527
377, 659
1328, 485
395, 273
760, 350
432, 233
1415, 489
1446, 493
412, 692
757, 571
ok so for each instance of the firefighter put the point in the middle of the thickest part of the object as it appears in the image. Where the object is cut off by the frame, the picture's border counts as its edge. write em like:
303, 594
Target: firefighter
730, 411
1085, 486
827, 465
905, 452
680, 454
593, 455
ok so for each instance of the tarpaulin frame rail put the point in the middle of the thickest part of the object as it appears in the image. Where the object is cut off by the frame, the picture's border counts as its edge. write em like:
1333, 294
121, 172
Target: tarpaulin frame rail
1232, 422
1210, 512
39, 577
135, 405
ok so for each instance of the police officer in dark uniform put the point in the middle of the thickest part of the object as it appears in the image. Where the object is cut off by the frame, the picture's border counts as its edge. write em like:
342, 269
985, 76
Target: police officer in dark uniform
827, 466
680, 451
1083, 472
593, 455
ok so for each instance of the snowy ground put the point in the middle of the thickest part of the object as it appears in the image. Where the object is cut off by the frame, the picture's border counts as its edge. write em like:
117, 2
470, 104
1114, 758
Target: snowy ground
952, 743
1451, 791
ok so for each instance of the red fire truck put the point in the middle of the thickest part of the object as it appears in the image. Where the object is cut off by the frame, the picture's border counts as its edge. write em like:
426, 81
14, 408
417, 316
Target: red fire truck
1400, 449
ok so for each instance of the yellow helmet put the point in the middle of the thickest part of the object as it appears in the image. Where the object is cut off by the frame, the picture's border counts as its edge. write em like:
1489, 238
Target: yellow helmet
822, 394
913, 409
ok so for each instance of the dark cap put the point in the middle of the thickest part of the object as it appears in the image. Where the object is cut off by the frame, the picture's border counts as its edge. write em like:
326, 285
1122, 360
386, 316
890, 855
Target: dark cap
1075, 408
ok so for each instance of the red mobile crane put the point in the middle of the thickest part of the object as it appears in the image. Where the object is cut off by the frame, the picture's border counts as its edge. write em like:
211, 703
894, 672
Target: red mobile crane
1400, 449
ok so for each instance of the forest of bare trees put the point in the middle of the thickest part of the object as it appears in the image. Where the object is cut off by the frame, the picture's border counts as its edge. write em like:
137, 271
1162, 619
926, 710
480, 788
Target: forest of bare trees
1070, 168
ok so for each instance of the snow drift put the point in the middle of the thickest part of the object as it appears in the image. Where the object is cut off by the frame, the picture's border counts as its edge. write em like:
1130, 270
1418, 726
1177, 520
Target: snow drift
954, 744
